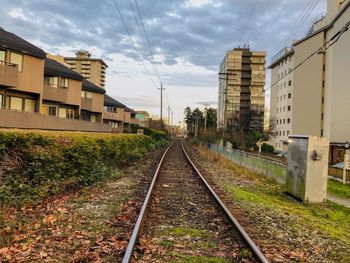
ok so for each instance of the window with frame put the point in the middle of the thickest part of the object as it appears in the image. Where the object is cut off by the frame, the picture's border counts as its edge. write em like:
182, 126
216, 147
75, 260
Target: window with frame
2, 56
16, 103
70, 114
1, 100
64, 83
17, 59
50, 110
51, 81
29, 105
289, 95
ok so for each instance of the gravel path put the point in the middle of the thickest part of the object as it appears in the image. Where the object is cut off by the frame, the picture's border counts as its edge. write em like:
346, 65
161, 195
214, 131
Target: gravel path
183, 223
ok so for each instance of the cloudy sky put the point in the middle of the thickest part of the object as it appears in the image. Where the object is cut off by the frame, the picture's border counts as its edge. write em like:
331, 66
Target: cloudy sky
188, 39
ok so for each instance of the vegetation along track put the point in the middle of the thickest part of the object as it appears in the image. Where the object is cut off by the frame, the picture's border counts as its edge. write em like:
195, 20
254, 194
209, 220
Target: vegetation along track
183, 220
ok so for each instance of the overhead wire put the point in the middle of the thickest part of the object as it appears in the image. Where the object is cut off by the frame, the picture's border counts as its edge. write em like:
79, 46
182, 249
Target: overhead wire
320, 50
132, 43
298, 24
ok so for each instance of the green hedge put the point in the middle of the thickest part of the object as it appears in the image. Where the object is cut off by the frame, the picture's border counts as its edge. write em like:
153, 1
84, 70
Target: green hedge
35, 165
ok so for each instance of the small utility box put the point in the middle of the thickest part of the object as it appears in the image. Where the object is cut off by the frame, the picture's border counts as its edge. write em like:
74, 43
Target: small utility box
307, 168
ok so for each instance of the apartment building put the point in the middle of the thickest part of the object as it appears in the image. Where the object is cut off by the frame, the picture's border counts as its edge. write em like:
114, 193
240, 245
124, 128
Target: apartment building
114, 112
281, 95
92, 69
62, 91
320, 98
143, 118
241, 96
21, 73
92, 102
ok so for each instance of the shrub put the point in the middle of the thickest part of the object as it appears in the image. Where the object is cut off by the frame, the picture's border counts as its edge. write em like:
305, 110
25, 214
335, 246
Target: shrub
267, 148
35, 165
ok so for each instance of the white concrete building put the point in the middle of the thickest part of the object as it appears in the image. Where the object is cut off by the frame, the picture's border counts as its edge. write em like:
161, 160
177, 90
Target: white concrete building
319, 90
281, 97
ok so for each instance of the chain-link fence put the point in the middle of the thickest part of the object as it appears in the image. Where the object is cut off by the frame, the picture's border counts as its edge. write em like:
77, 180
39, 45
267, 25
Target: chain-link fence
268, 167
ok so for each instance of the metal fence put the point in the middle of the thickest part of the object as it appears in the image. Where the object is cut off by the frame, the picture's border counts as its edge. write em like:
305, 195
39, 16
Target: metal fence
268, 167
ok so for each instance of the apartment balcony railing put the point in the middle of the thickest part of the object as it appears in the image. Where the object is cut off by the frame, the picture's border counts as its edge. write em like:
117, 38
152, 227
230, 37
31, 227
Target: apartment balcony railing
280, 54
55, 93
8, 74
113, 116
86, 104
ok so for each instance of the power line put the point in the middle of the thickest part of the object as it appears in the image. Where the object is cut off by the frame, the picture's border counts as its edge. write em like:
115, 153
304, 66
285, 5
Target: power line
299, 22
132, 43
147, 40
143, 39
320, 50
249, 17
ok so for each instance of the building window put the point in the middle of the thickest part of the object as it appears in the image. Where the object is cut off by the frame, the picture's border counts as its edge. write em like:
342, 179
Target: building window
62, 113
288, 120
16, 103
64, 83
29, 105
322, 100
289, 83
284, 96
288, 132
323, 83
50, 110
285, 84
289, 95
284, 133
284, 121
17, 59
289, 108
322, 116
51, 81
70, 114
86, 94
2, 56
322, 133
1, 101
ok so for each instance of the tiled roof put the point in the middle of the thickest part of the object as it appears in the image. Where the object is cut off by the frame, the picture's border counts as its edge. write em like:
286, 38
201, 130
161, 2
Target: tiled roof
89, 86
54, 68
13, 42
109, 101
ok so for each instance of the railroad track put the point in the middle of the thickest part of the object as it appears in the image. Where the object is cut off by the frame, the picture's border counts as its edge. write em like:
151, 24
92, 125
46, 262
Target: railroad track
182, 215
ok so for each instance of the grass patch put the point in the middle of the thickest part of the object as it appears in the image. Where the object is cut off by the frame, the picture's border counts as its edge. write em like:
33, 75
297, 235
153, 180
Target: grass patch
338, 189
184, 231
177, 258
331, 218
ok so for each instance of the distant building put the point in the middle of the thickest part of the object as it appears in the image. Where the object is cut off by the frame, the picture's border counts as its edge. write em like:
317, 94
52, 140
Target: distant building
92, 69
143, 117
241, 89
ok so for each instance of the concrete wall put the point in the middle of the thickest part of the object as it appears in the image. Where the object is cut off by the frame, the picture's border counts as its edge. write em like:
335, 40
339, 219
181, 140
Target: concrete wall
22, 120
307, 94
31, 79
337, 92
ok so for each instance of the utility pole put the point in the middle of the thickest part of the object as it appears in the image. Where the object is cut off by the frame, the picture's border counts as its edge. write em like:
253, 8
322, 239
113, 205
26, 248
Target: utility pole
172, 118
161, 104
169, 115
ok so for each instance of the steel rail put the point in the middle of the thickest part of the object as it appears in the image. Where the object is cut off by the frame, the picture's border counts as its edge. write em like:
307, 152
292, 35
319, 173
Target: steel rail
139, 222
244, 235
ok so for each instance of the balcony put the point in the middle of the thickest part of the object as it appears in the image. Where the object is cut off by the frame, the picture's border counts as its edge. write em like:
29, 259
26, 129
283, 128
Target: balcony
8, 74
86, 104
113, 116
55, 93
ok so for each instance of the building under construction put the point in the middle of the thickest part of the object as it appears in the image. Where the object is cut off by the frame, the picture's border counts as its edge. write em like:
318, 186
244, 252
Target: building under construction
241, 90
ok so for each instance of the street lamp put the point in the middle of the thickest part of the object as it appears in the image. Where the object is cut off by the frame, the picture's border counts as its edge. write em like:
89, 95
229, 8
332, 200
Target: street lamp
346, 160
